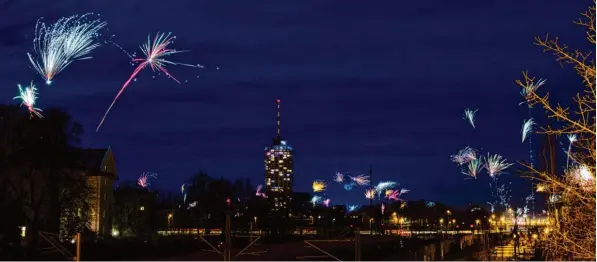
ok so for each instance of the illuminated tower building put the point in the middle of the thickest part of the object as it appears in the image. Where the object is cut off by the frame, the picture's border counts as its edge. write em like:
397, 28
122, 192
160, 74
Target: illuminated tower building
278, 171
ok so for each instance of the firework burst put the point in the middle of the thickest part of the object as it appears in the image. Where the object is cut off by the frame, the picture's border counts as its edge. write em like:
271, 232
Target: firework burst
474, 168
348, 187
258, 191
384, 185
583, 176
352, 208
28, 97
155, 57
392, 194
315, 200
339, 177
469, 115
430, 204
369, 194
57, 45
143, 180
528, 90
361, 180
326, 202
318, 186
495, 165
464, 156
527, 128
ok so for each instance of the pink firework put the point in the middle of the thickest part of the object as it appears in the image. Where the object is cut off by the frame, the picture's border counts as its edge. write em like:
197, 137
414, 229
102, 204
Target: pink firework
326, 202
154, 58
143, 180
392, 194
259, 193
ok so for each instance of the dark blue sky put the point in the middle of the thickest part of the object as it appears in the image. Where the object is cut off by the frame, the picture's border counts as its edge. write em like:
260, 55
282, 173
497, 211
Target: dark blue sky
361, 82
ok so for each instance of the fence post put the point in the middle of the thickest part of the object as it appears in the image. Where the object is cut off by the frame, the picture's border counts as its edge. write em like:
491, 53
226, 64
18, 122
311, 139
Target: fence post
228, 245
78, 257
357, 245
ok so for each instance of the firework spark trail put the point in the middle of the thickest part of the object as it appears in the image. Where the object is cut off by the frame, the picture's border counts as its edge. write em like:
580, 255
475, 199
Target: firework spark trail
361, 180
28, 97
339, 177
383, 208
503, 192
491, 206
57, 45
369, 194
571, 139
403, 205
182, 188
143, 180
326, 202
319, 186
464, 156
429, 204
470, 116
474, 168
527, 128
495, 165
155, 54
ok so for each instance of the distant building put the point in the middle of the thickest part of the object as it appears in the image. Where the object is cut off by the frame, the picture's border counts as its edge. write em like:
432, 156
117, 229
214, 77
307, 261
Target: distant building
101, 173
135, 210
278, 171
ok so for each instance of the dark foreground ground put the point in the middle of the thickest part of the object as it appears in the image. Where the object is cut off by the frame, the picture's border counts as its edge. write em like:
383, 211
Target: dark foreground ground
194, 249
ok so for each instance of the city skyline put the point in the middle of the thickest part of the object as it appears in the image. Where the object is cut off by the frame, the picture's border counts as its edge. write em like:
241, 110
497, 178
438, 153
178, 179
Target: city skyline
383, 85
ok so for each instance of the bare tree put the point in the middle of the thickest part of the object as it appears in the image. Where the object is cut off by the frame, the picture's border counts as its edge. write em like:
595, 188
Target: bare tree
571, 200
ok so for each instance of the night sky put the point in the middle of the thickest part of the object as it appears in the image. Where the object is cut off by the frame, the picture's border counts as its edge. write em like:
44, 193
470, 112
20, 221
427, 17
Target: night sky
361, 82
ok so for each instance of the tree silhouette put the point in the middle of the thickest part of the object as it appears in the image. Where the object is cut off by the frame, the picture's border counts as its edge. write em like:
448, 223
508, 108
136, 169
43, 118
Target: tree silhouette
41, 171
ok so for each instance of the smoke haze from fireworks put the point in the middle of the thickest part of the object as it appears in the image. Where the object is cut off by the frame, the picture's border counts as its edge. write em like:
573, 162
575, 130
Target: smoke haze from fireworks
155, 54
56, 46
28, 97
